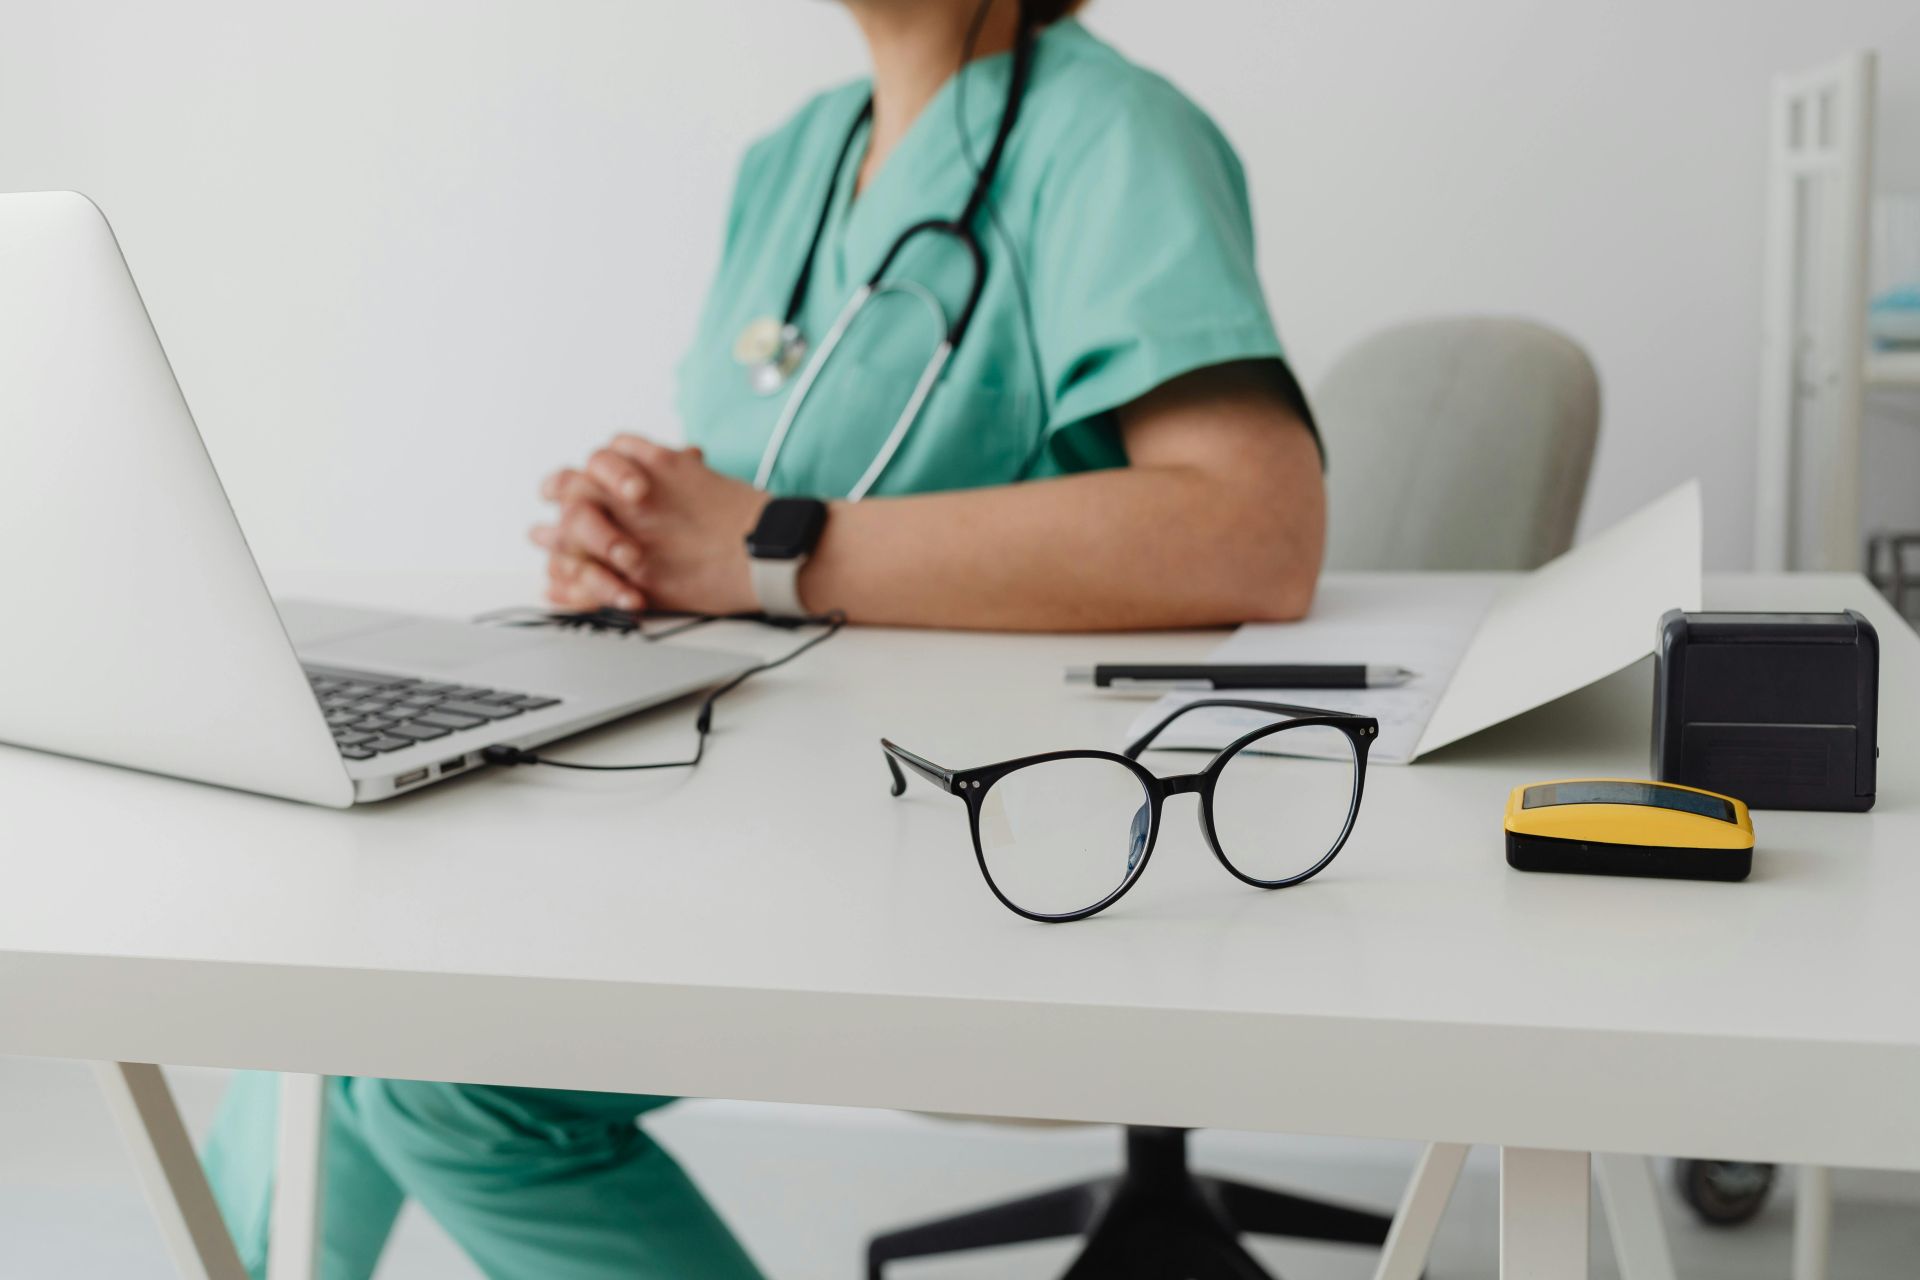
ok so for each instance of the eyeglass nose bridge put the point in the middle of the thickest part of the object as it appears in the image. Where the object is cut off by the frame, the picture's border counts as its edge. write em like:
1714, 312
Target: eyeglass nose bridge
1184, 784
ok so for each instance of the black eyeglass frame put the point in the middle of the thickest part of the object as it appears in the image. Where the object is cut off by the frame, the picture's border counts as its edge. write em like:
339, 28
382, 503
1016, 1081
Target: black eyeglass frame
972, 786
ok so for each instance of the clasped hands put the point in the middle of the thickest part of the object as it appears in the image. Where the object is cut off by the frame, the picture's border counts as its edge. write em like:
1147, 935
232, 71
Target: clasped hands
644, 526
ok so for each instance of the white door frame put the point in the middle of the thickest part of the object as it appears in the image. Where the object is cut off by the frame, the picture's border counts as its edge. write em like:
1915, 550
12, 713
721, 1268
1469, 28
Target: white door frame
1813, 334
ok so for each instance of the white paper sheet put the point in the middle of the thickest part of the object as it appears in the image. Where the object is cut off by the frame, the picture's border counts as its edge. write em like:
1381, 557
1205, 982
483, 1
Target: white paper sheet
1484, 651
1424, 628
1577, 619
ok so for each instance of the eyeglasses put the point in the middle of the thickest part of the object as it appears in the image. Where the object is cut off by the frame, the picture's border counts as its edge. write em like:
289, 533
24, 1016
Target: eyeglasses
1064, 835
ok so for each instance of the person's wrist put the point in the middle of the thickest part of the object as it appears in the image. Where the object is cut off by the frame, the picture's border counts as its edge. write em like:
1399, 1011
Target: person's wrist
740, 593
815, 584
800, 585
740, 597
780, 549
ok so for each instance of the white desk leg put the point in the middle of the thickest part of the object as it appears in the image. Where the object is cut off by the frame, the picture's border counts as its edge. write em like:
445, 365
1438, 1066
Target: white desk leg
1543, 1214
294, 1250
1812, 1222
1633, 1216
169, 1171
1410, 1241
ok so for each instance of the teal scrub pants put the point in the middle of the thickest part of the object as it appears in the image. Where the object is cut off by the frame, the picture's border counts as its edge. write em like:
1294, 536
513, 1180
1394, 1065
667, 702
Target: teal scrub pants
534, 1184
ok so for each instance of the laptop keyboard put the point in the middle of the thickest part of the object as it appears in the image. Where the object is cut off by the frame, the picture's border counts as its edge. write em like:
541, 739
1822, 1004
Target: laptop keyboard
372, 714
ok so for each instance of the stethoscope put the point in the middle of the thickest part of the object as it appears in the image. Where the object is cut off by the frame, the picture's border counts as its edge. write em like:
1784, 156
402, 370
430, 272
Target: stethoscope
773, 350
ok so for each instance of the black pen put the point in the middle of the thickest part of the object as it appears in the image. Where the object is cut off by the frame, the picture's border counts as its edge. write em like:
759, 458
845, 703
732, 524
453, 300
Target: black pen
1235, 675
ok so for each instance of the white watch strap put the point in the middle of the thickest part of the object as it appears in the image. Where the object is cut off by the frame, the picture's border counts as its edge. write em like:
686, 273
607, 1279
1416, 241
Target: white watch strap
776, 585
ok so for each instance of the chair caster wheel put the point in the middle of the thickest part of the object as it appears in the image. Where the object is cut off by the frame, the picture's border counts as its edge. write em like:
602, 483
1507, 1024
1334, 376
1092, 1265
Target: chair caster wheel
1723, 1193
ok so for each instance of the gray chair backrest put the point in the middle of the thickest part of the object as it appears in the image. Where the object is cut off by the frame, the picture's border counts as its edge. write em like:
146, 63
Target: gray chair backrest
1457, 444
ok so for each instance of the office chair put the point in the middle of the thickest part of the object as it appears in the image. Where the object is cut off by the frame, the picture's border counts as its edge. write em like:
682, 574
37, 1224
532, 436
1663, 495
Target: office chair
1455, 444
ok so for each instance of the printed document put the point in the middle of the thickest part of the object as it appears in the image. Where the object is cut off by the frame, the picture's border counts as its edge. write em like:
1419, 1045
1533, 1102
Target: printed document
1483, 649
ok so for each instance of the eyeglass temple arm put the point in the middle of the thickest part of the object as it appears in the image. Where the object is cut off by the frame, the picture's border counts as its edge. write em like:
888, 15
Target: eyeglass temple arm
897, 756
1145, 740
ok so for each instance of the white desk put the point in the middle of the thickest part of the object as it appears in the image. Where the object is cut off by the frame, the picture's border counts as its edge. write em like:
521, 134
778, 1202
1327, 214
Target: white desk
775, 926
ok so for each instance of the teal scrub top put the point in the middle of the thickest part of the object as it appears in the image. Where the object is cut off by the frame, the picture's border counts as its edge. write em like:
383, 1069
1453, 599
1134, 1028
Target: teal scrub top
1119, 255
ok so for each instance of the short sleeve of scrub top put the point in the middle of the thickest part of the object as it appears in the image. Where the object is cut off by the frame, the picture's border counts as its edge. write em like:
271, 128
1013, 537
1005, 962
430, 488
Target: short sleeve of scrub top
1119, 256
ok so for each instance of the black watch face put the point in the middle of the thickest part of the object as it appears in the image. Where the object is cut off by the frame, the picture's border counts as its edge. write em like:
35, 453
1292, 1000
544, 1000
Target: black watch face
788, 529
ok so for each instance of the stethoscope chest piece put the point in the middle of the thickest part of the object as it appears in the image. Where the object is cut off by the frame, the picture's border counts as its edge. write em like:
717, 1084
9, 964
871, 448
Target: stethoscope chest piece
771, 351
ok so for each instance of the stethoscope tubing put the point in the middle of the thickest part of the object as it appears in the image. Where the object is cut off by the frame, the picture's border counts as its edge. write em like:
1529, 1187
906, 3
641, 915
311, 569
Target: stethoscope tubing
904, 423
811, 371
952, 329
923, 388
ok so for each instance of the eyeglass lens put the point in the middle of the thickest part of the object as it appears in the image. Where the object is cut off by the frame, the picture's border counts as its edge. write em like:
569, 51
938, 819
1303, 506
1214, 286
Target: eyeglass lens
1280, 804
1061, 836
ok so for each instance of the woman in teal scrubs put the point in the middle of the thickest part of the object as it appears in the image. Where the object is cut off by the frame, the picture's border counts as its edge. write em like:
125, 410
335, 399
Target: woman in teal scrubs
1115, 443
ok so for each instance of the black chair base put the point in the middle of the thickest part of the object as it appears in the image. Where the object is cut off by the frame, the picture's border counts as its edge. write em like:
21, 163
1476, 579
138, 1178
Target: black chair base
1156, 1220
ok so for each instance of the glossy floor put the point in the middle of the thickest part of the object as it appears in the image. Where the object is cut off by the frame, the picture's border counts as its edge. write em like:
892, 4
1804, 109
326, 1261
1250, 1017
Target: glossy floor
806, 1185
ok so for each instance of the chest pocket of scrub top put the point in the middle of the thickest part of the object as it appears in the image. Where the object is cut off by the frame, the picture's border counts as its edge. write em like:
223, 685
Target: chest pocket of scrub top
977, 428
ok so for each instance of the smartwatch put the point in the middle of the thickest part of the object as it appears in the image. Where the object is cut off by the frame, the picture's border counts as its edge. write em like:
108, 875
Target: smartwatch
778, 548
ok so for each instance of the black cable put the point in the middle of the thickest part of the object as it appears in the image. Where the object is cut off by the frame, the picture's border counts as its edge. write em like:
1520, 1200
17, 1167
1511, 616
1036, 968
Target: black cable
703, 722
699, 620
624, 622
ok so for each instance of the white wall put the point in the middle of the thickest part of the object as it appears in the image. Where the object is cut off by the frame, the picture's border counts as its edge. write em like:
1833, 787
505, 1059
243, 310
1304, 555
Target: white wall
407, 254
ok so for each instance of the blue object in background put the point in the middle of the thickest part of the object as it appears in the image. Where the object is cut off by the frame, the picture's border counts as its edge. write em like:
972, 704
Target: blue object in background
1894, 318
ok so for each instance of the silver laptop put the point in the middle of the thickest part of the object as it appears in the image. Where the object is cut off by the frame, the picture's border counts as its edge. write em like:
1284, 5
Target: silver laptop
134, 626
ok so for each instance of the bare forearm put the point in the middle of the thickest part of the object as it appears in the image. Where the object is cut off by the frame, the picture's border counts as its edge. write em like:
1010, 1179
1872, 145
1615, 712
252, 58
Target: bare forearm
1139, 547
1219, 517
